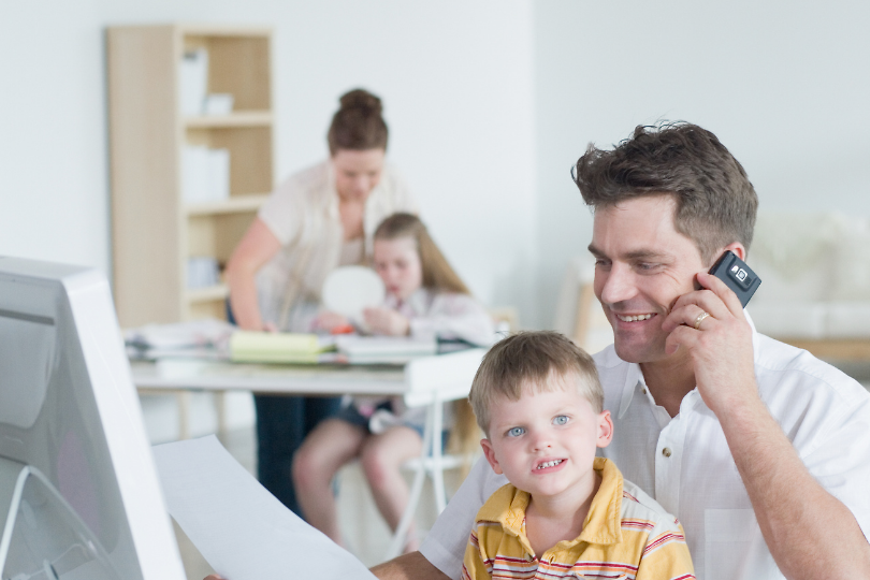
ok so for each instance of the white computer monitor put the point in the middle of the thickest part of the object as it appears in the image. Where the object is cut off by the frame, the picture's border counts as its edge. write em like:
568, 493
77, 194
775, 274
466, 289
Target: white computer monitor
79, 493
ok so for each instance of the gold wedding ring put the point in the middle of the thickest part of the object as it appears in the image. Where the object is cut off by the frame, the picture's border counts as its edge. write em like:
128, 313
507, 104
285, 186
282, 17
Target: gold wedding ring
701, 317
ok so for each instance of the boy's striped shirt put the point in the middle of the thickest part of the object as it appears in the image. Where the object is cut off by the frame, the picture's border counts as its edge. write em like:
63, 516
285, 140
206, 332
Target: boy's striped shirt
626, 535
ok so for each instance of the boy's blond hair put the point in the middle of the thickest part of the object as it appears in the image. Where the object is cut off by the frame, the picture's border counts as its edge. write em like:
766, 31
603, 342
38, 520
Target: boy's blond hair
541, 361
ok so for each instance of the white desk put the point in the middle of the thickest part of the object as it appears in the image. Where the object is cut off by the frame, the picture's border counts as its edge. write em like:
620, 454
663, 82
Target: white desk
302, 379
428, 380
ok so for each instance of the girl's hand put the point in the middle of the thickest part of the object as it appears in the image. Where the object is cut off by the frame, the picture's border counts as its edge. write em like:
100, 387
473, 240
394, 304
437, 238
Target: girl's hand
386, 321
329, 321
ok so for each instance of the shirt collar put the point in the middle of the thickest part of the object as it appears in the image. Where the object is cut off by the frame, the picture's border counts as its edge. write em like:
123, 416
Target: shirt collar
603, 524
417, 303
634, 376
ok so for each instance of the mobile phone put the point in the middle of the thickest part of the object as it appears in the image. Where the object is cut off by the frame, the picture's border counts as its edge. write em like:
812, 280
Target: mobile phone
736, 275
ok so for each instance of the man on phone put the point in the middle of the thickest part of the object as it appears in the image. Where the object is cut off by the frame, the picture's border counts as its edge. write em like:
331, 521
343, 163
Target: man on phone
761, 450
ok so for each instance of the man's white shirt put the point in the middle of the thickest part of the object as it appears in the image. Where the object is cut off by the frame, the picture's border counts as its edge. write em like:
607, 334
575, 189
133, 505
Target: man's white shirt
685, 464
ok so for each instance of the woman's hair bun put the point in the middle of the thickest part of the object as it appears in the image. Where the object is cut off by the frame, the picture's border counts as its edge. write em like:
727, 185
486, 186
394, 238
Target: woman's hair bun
358, 124
363, 100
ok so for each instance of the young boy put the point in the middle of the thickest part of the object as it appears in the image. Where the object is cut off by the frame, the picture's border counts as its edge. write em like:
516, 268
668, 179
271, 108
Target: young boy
565, 513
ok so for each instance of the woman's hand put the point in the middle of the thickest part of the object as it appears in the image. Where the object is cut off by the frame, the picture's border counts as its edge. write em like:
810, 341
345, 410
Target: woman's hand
386, 321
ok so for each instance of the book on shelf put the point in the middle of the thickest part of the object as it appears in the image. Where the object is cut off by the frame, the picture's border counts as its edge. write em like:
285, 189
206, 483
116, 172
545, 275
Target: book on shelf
193, 81
202, 272
205, 174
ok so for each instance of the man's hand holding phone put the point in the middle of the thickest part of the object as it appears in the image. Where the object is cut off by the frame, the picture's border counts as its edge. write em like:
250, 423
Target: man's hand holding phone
709, 323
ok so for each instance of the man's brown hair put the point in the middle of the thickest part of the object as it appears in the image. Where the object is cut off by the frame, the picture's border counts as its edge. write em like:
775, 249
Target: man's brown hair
541, 361
715, 202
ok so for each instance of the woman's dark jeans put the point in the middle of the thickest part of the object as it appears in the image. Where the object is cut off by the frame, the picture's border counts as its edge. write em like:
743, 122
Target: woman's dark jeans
283, 422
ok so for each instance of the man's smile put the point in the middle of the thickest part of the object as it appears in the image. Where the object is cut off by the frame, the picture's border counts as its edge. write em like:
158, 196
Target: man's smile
634, 318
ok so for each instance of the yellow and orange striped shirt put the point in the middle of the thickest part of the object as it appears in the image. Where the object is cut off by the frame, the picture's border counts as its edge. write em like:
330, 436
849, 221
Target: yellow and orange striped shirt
626, 535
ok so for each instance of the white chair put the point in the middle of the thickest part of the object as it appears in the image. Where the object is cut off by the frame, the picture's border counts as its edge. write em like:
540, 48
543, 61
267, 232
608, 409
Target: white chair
578, 313
434, 462
435, 388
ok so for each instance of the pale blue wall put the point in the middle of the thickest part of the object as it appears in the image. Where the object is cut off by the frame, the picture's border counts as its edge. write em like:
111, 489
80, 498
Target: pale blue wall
490, 102
785, 86
456, 78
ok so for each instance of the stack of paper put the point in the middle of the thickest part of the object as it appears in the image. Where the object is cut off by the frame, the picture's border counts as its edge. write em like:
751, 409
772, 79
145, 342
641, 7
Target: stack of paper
386, 349
196, 333
206, 338
278, 347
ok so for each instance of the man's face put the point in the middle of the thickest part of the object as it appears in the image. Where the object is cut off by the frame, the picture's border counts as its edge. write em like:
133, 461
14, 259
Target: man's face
642, 266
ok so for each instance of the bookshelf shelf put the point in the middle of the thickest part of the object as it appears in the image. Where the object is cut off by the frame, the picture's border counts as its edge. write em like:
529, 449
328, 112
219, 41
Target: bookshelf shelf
208, 294
239, 203
235, 119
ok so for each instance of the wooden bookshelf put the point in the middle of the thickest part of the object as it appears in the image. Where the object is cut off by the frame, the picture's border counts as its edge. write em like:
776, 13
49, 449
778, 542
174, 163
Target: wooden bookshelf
154, 230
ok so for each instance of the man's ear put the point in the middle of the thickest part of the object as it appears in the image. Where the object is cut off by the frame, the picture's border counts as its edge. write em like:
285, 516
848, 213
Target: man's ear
489, 452
735, 247
605, 429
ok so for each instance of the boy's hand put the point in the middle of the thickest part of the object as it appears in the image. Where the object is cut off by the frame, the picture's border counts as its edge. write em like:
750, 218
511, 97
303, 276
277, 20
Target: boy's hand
386, 321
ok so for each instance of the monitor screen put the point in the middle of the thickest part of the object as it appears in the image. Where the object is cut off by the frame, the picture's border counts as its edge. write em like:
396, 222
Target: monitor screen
79, 493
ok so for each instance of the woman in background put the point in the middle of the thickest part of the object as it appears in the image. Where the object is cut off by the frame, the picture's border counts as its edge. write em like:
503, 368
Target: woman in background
318, 219
424, 298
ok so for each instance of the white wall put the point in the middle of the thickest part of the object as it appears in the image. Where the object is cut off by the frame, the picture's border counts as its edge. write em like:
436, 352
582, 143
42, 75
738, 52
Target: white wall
456, 78
489, 102
53, 172
784, 85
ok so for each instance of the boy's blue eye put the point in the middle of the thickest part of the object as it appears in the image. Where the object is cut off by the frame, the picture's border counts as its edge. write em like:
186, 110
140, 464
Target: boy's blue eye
560, 420
516, 432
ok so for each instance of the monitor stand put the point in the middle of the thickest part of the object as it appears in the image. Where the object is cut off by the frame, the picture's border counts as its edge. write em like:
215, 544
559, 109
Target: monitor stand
42, 537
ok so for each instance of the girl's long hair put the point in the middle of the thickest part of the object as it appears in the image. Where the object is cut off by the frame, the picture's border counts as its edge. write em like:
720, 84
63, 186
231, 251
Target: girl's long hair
438, 275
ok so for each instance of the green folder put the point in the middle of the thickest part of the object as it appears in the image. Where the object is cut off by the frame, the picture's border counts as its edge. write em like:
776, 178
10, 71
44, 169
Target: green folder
277, 347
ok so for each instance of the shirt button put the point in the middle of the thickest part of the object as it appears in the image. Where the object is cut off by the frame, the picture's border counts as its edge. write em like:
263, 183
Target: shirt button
666, 451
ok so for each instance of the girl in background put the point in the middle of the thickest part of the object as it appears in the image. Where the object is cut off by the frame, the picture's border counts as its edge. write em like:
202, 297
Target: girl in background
424, 297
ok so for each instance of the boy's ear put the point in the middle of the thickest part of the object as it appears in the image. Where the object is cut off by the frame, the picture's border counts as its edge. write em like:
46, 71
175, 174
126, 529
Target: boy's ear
605, 429
489, 452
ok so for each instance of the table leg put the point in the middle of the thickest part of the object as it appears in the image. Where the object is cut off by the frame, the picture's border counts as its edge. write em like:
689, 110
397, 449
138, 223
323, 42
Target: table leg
183, 400
398, 540
220, 405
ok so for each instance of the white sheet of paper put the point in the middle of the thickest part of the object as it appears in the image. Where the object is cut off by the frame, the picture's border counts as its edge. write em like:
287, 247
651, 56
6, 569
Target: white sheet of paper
241, 529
